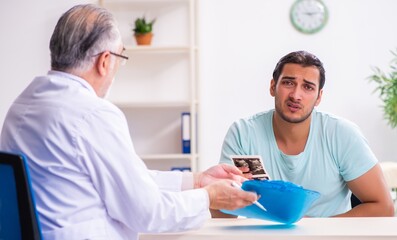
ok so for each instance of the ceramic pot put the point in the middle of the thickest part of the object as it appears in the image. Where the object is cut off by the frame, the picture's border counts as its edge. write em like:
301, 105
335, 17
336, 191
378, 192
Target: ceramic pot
144, 39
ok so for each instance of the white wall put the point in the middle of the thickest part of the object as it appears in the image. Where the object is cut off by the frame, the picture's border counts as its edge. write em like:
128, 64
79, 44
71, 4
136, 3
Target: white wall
242, 40
26, 27
240, 43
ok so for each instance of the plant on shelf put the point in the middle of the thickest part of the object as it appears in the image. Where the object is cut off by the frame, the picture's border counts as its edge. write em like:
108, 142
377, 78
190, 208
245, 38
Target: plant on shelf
387, 88
143, 31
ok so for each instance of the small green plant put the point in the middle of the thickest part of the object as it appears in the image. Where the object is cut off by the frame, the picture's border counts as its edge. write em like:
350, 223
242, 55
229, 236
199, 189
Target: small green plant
387, 88
142, 26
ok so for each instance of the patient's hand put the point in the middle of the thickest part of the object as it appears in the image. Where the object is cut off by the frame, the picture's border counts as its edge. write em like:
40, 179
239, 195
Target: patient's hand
246, 172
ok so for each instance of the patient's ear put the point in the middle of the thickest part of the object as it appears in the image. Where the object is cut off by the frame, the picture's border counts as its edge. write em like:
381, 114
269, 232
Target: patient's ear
272, 87
319, 97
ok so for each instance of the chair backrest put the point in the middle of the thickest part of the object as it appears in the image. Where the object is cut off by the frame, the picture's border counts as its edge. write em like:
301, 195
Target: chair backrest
354, 201
18, 216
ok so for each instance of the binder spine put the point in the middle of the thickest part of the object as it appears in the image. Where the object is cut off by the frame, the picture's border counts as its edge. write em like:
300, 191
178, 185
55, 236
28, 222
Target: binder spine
185, 129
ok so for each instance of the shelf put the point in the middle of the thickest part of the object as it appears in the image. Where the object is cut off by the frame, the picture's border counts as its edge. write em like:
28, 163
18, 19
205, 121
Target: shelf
158, 49
125, 105
160, 157
159, 83
106, 2
134, 5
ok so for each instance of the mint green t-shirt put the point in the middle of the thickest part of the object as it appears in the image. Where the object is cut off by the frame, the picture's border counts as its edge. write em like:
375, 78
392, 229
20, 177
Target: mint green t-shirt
336, 152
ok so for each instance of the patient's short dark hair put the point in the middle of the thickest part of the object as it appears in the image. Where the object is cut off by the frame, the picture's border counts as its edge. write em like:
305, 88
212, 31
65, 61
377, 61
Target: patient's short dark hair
302, 58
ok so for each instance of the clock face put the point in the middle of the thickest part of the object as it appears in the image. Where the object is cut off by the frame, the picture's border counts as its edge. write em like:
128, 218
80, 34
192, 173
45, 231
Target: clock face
309, 16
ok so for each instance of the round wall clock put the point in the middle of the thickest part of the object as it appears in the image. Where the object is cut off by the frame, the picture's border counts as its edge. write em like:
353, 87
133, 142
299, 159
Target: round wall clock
309, 16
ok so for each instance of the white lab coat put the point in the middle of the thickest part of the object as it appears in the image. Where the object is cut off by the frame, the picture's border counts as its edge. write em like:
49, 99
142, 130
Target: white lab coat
88, 181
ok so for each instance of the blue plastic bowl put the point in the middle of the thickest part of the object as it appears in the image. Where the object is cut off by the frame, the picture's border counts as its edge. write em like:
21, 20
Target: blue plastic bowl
285, 202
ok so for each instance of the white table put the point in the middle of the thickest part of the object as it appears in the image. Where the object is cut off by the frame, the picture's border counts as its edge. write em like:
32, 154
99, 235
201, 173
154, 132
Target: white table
306, 228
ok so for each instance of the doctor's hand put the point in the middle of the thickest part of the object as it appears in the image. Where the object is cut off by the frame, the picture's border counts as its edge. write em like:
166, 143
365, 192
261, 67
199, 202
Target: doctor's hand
222, 195
217, 172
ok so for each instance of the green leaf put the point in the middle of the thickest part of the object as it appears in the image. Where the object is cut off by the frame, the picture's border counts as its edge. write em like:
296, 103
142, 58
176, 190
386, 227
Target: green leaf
387, 88
142, 26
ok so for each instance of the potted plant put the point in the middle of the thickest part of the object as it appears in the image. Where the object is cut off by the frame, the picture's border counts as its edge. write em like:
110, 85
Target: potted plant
143, 31
387, 88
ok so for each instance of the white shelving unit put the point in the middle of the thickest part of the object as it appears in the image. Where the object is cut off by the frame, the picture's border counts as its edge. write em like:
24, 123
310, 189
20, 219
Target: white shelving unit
159, 82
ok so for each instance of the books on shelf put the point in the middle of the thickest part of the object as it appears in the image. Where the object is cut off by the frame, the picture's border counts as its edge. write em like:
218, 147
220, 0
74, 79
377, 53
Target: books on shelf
185, 129
181, 169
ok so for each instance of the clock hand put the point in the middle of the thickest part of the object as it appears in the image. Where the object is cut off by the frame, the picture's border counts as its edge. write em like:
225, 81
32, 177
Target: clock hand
311, 13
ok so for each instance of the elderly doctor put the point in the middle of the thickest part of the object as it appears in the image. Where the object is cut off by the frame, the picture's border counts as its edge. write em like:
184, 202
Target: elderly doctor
88, 181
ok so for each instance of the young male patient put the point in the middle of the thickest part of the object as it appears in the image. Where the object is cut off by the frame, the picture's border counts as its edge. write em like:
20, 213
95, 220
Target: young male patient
316, 150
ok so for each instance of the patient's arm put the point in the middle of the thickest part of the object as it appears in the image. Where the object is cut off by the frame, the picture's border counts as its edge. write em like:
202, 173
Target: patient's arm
373, 193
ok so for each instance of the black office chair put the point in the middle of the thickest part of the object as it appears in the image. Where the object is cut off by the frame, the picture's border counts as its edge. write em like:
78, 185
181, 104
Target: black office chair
354, 201
18, 216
